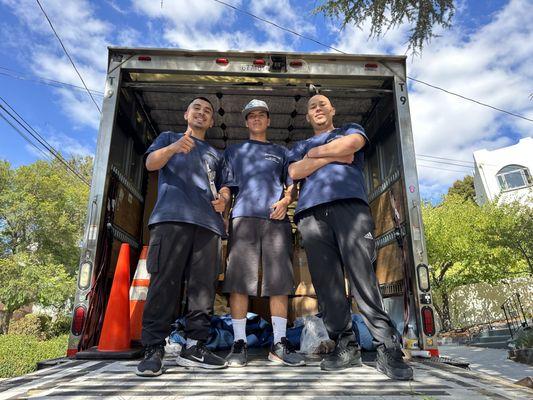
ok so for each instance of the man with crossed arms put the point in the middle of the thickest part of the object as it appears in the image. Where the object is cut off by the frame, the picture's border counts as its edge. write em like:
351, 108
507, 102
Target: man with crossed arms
334, 220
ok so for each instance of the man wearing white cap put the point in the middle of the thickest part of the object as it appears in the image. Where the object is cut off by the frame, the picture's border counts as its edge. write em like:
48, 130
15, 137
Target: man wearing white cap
255, 173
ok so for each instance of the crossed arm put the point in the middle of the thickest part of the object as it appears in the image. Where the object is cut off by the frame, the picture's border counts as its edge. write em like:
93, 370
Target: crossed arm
338, 150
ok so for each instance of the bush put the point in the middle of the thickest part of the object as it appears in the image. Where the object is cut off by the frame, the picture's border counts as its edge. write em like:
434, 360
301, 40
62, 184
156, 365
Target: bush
19, 354
524, 340
36, 325
59, 326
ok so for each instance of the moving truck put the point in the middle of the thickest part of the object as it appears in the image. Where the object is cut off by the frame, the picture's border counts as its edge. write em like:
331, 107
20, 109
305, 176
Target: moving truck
146, 93
148, 90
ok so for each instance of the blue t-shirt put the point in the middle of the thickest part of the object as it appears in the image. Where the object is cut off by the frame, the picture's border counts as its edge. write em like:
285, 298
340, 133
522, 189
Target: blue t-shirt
334, 181
183, 191
256, 172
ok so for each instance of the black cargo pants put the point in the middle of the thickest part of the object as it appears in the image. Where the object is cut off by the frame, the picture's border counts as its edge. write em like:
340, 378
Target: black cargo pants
338, 237
179, 252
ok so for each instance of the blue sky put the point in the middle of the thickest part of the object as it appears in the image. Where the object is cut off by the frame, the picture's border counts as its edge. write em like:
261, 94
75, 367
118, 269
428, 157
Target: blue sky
487, 55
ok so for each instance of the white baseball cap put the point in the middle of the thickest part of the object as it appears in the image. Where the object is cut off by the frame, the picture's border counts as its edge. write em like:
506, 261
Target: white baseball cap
254, 105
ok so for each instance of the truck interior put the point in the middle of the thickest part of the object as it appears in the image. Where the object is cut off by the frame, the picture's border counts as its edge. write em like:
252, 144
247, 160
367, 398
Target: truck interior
150, 103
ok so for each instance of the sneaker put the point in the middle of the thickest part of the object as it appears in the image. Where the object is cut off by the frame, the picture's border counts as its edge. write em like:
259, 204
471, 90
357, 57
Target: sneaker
346, 354
238, 356
284, 353
200, 356
390, 362
152, 364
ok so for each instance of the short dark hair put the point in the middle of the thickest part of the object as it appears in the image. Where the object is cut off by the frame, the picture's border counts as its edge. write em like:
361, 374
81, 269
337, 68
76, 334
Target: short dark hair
204, 99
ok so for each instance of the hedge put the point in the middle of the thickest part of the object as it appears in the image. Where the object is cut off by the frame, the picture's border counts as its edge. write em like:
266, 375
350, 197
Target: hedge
19, 354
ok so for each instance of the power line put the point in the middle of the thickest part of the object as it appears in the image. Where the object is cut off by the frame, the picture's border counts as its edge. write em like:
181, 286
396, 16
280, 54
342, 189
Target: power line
279, 26
441, 168
44, 81
343, 52
68, 56
446, 159
446, 163
472, 100
38, 137
47, 156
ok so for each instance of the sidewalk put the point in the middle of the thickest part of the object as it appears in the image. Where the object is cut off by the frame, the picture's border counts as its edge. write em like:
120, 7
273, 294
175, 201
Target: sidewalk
490, 361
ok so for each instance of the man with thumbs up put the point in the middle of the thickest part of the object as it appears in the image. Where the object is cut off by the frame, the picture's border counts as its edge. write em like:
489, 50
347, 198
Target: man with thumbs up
185, 230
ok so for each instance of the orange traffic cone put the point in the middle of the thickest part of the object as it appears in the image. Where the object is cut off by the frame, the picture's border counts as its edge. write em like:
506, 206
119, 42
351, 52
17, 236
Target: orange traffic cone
115, 334
138, 293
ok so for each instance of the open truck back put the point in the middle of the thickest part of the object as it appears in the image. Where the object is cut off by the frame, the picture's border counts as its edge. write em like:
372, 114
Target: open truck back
147, 92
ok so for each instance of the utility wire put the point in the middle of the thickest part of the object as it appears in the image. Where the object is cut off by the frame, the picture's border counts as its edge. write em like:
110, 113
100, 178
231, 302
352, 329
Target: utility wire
446, 159
279, 26
440, 168
44, 81
41, 140
46, 155
68, 56
343, 52
446, 163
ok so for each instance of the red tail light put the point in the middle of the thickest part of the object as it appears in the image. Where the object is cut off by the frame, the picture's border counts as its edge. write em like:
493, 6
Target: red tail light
371, 66
78, 320
296, 63
222, 61
259, 61
428, 321
144, 58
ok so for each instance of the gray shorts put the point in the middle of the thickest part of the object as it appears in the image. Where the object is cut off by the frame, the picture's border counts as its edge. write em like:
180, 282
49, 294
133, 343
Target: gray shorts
255, 242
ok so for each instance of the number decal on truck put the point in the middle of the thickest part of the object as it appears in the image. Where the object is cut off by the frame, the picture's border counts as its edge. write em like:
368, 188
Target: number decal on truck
254, 68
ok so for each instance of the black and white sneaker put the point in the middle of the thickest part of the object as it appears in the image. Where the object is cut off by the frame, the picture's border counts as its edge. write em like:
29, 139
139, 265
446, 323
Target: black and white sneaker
200, 356
152, 364
238, 356
346, 354
390, 362
284, 353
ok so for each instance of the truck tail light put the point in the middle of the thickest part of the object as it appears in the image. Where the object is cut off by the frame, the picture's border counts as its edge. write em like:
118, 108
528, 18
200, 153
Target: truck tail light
78, 320
222, 61
259, 62
371, 66
296, 63
422, 271
428, 322
144, 58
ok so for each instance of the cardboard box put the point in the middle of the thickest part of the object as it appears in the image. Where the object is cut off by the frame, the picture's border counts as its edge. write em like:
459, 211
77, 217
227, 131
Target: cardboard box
300, 306
149, 202
302, 276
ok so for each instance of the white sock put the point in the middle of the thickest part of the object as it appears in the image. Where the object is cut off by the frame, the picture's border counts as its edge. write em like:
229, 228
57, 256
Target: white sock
239, 329
279, 325
190, 343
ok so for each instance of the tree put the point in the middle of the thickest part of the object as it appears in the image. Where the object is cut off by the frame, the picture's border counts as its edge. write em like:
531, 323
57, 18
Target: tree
464, 188
511, 226
25, 280
422, 15
459, 252
42, 210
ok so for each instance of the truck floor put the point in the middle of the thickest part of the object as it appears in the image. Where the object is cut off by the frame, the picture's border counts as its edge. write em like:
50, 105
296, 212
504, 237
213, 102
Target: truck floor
261, 379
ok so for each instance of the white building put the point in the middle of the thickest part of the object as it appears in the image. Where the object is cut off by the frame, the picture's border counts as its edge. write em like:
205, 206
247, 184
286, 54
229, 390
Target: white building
505, 173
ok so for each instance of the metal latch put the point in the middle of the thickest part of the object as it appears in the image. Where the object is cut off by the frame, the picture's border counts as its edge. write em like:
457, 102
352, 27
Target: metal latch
278, 64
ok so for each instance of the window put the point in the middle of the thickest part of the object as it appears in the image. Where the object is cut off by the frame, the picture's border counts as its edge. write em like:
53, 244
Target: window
513, 177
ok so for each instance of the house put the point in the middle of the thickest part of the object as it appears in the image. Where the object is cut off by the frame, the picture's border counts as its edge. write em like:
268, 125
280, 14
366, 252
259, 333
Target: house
505, 173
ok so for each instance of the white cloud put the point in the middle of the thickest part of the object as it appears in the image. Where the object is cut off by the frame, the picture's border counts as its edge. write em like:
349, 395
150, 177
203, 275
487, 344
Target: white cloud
491, 64
205, 24
86, 38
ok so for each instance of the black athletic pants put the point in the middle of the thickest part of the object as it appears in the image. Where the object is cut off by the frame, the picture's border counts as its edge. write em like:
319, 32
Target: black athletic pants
179, 252
337, 237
